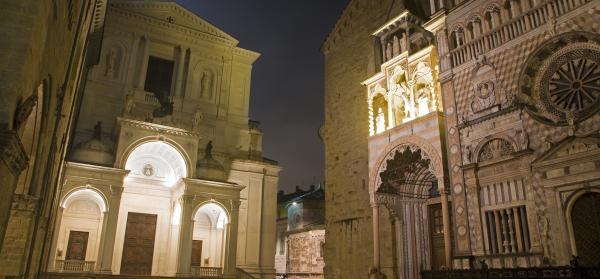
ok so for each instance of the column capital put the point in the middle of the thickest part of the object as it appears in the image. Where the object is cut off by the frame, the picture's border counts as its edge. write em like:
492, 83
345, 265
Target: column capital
116, 190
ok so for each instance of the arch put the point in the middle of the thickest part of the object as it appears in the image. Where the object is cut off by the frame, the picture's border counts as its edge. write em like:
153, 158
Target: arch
157, 160
124, 156
88, 193
221, 218
569, 204
484, 143
429, 151
214, 202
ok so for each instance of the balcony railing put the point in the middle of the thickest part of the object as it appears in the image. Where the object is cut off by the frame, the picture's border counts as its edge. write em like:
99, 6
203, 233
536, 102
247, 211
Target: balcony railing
207, 272
74, 266
529, 20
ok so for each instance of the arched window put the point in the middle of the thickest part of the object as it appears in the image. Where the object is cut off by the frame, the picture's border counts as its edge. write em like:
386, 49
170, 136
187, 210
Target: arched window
29, 128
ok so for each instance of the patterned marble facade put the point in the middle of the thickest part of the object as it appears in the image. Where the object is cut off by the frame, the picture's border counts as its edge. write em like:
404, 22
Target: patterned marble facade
478, 135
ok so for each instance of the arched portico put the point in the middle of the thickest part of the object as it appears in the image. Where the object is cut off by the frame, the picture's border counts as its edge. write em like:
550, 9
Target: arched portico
408, 180
79, 230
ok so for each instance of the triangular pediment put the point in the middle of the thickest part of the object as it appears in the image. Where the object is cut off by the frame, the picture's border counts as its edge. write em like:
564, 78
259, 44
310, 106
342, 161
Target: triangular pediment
172, 13
570, 147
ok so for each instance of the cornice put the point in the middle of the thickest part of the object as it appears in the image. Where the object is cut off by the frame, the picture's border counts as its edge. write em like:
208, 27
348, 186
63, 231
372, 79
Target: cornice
120, 9
12, 152
157, 128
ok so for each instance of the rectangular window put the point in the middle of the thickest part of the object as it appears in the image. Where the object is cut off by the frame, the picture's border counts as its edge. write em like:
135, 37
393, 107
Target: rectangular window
507, 231
159, 77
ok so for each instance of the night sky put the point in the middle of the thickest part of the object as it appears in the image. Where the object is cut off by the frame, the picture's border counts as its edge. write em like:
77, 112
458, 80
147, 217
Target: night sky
287, 80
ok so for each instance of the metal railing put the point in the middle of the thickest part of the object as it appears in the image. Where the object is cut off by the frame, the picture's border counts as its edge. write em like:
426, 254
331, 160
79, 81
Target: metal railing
74, 266
207, 272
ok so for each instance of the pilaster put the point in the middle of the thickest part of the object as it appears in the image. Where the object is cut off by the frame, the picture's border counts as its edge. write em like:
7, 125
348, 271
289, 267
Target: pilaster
109, 230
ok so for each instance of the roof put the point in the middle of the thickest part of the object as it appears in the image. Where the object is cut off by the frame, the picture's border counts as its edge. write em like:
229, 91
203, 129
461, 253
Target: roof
313, 193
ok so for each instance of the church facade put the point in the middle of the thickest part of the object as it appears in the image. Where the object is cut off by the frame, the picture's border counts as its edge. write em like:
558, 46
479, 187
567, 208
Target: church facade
470, 136
165, 174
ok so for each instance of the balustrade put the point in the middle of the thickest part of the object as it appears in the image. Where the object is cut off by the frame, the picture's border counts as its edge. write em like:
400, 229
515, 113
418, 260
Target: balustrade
74, 266
207, 272
529, 20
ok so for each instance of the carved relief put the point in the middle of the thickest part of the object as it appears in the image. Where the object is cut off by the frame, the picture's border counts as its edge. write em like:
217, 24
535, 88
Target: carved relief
484, 84
495, 149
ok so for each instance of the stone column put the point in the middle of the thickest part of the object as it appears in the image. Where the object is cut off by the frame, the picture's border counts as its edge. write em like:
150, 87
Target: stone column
178, 82
229, 268
144, 63
446, 222
184, 250
53, 251
399, 251
109, 231
376, 261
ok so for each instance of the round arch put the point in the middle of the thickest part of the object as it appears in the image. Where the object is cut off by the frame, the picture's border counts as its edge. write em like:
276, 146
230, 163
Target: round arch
121, 161
392, 147
569, 203
219, 204
85, 193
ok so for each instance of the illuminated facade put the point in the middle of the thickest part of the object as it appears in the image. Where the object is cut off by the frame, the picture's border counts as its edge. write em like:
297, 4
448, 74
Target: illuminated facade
165, 176
461, 135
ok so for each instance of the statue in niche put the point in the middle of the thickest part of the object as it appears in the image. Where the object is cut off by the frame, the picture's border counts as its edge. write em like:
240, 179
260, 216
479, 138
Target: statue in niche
544, 226
388, 51
380, 121
205, 84
198, 116
547, 143
396, 46
149, 118
97, 131
111, 62
399, 108
404, 43
129, 104
469, 154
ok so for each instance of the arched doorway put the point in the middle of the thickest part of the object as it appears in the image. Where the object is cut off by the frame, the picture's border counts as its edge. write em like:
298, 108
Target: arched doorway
80, 230
146, 237
208, 241
407, 185
585, 217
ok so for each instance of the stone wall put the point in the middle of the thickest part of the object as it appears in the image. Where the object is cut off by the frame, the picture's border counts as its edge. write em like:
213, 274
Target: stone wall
349, 60
44, 51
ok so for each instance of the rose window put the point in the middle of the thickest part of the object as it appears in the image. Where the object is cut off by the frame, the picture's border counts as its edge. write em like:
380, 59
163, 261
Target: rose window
575, 85
562, 79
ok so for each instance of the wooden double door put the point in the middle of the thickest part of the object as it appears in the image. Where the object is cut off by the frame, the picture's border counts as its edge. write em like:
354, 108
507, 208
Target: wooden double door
138, 248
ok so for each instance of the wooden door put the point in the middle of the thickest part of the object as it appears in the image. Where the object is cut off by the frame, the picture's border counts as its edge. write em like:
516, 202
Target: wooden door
138, 248
586, 227
77, 245
436, 233
196, 252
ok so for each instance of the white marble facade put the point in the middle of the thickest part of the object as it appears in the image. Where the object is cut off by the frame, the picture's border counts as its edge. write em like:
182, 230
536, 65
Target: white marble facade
198, 168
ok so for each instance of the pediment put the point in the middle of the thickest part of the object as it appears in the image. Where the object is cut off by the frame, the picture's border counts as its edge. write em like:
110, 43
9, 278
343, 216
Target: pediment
570, 147
173, 13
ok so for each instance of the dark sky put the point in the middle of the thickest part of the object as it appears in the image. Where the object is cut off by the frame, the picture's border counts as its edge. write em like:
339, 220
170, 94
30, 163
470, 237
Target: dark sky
287, 80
